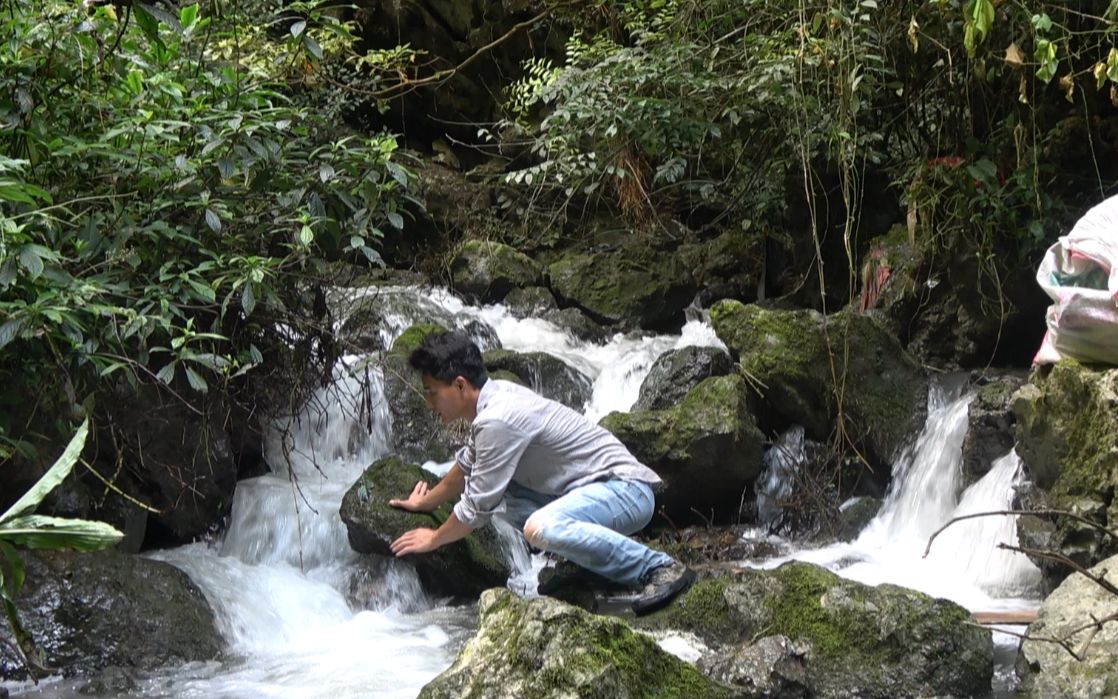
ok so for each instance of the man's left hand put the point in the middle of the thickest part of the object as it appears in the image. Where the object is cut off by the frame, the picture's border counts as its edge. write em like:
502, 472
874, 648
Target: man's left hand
415, 541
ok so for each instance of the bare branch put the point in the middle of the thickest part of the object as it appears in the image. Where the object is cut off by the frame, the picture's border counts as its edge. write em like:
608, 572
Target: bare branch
1050, 513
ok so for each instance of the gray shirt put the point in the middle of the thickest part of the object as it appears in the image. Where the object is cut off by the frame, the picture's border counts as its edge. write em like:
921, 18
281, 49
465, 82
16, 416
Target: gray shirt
518, 435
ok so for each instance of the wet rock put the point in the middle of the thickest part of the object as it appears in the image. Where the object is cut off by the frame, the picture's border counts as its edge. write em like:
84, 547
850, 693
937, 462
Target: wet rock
856, 641
547, 649
991, 425
1048, 669
579, 325
881, 390
417, 433
772, 668
545, 374
1067, 440
90, 612
728, 266
854, 516
375, 317
676, 372
530, 302
707, 449
460, 570
488, 271
633, 284
112, 681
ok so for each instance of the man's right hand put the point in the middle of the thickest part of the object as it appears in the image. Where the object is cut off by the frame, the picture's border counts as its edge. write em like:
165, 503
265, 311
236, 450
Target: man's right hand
414, 502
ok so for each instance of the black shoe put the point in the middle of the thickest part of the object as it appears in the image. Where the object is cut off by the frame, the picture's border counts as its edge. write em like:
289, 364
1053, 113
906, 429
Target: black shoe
564, 574
662, 586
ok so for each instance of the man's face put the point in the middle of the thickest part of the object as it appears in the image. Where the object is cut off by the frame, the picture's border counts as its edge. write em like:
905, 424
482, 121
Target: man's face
448, 400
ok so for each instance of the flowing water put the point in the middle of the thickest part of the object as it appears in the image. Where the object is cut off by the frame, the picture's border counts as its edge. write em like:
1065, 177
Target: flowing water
304, 616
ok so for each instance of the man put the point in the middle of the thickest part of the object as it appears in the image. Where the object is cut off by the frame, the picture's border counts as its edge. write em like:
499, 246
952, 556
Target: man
572, 487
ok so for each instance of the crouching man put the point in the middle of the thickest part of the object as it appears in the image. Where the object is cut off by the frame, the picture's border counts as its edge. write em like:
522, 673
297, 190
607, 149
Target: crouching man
569, 484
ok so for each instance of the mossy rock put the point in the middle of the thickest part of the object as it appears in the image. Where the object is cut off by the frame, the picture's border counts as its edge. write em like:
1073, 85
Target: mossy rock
545, 374
707, 449
676, 372
1047, 669
461, 570
417, 433
91, 611
634, 284
991, 425
488, 270
871, 642
547, 649
1066, 437
814, 368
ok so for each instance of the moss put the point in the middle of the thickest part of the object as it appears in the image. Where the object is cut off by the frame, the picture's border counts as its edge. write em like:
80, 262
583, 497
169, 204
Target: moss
413, 337
702, 610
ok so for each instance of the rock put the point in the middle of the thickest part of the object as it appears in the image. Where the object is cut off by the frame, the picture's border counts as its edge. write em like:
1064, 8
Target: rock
882, 391
530, 302
990, 432
1067, 440
727, 267
90, 612
417, 433
579, 325
178, 458
676, 372
857, 641
376, 317
855, 515
548, 376
772, 668
1049, 670
460, 570
707, 449
947, 308
488, 271
634, 284
547, 649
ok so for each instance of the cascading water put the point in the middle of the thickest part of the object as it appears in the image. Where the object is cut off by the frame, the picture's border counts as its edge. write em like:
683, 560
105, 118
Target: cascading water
965, 563
305, 616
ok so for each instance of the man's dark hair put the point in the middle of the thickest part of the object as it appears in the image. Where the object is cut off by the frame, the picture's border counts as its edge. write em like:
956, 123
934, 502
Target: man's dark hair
448, 355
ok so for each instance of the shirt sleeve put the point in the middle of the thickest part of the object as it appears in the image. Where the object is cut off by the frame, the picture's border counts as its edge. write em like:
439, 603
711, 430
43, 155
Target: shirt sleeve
464, 457
497, 451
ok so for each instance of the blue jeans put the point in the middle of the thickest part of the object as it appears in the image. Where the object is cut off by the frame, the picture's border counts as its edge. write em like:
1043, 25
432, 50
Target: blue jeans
589, 526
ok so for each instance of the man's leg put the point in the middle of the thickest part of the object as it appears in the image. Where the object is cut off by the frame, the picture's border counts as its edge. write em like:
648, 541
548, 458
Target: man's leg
589, 527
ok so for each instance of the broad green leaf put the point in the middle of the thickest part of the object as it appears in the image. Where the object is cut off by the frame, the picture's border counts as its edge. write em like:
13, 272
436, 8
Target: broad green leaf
248, 299
10, 331
187, 15
15, 192
312, 46
42, 532
325, 172
196, 381
306, 235
14, 580
297, 28
54, 475
135, 81
167, 373
213, 220
396, 220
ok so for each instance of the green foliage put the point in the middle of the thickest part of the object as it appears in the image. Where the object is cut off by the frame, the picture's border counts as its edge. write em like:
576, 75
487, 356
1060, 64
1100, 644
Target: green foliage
20, 528
171, 190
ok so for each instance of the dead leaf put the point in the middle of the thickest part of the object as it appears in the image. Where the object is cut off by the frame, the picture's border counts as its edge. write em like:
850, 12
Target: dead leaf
1068, 83
1114, 96
914, 34
1013, 56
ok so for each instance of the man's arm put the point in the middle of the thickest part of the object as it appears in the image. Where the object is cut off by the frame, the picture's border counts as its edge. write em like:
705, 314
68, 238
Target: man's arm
425, 499
424, 540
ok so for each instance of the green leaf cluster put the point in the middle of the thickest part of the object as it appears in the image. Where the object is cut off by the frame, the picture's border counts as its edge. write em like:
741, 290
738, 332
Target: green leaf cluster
170, 189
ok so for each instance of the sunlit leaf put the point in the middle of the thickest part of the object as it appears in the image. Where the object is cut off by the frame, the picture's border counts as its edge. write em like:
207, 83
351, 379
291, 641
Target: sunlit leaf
43, 532
54, 475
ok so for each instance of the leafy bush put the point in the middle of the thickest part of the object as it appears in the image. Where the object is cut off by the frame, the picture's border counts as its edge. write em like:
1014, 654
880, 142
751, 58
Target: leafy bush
170, 193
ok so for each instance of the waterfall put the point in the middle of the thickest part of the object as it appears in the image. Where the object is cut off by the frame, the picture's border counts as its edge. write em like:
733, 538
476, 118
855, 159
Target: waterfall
965, 563
305, 616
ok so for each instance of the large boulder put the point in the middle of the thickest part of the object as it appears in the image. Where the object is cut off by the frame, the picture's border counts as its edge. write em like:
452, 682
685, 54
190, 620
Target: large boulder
488, 271
87, 612
460, 570
707, 449
538, 302
810, 369
950, 306
631, 284
375, 316
676, 372
417, 433
728, 266
1049, 669
883, 642
547, 649
1067, 440
545, 374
